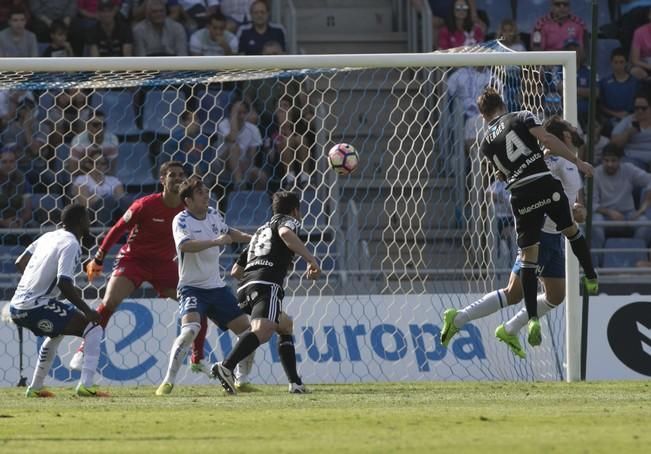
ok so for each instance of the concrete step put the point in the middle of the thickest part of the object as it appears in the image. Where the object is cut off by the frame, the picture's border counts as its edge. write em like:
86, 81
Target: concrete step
352, 43
348, 20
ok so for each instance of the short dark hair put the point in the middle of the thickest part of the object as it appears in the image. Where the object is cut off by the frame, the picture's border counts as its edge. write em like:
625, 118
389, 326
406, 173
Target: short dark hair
556, 126
17, 10
58, 26
612, 149
618, 52
489, 102
72, 215
219, 17
643, 92
188, 186
284, 202
165, 167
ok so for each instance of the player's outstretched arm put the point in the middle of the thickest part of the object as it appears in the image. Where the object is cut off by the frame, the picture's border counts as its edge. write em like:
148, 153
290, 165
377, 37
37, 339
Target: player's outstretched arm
558, 148
200, 245
239, 236
71, 293
295, 244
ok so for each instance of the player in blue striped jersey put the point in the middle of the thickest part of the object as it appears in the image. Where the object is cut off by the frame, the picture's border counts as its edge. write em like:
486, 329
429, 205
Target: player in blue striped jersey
199, 234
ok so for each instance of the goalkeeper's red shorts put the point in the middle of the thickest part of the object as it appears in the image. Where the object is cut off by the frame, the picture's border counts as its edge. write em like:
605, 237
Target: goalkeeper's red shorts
161, 275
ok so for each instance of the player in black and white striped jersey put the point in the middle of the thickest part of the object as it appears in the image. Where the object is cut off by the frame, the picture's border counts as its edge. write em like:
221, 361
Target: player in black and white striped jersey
262, 270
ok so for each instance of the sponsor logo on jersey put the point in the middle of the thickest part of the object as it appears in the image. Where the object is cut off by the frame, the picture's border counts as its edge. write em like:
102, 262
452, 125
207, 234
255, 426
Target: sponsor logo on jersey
629, 336
535, 206
126, 217
158, 220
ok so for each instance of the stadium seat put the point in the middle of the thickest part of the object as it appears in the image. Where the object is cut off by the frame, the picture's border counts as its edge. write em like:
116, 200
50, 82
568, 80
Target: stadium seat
8, 256
162, 110
248, 209
118, 108
134, 164
46, 202
312, 209
623, 259
325, 253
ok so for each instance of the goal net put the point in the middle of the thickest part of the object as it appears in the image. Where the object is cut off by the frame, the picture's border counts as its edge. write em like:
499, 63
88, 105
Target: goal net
419, 227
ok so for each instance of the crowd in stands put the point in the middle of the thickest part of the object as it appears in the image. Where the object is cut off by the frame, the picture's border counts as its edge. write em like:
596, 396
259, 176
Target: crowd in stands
68, 144
259, 134
622, 142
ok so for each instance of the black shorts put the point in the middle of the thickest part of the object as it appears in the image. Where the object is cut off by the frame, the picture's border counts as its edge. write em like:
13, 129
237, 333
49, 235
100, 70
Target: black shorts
261, 300
531, 202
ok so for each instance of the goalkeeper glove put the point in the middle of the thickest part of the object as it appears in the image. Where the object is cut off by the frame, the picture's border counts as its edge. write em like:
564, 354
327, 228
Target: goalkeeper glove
95, 266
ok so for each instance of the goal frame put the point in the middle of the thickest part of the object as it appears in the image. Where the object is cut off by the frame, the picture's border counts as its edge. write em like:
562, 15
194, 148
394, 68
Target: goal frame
566, 60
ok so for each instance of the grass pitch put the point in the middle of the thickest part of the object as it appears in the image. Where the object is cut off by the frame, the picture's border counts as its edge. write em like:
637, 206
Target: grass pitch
381, 417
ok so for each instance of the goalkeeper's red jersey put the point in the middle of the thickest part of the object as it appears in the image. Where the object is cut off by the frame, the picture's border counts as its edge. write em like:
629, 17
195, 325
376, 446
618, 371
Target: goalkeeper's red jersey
150, 223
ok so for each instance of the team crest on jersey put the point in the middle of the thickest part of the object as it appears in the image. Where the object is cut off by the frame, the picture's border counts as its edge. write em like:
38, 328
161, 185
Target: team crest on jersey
126, 217
45, 325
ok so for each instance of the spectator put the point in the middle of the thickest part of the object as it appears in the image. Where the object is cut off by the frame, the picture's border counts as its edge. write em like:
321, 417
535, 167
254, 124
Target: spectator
20, 130
95, 135
15, 191
292, 142
465, 85
214, 39
46, 12
617, 91
85, 22
509, 36
190, 145
237, 13
440, 11
7, 6
582, 81
459, 29
67, 117
633, 133
59, 45
552, 30
110, 37
195, 13
641, 50
252, 37
240, 148
633, 15
159, 35
615, 183
97, 191
16, 41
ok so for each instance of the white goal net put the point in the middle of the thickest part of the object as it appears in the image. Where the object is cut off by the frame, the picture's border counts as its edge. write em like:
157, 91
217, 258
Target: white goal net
417, 228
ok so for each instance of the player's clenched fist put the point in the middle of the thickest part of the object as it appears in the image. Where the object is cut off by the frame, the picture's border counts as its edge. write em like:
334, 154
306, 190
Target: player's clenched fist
313, 271
95, 266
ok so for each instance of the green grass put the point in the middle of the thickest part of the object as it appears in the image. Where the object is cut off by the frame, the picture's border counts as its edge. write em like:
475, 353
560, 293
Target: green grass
393, 417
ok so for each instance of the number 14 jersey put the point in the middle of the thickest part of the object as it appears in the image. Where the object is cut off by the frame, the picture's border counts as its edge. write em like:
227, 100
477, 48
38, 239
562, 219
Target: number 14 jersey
513, 150
269, 258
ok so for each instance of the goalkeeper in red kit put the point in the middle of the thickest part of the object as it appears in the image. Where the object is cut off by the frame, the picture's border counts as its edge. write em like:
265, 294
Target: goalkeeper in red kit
148, 255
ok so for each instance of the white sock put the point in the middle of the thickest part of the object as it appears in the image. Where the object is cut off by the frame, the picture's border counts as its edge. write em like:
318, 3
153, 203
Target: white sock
46, 356
180, 350
243, 368
92, 338
486, 305
517, 322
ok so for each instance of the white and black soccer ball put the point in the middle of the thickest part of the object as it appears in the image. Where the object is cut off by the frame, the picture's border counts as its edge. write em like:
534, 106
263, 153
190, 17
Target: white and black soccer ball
343, 158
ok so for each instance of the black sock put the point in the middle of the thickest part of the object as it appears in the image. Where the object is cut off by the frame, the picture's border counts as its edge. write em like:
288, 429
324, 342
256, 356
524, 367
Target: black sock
288, 358
244, 347
530, 288
580, 248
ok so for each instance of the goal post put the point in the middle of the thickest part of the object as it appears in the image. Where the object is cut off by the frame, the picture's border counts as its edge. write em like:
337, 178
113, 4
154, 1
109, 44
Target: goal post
417, 194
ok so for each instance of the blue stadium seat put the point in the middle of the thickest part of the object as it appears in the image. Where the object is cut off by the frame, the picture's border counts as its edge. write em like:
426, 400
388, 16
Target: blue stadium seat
118, 107
623, 259
134, 164
325, 253
248, 208
162, 110
46, 202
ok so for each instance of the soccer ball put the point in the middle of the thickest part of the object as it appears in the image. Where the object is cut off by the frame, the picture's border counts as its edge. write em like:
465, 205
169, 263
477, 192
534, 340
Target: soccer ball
343, 158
